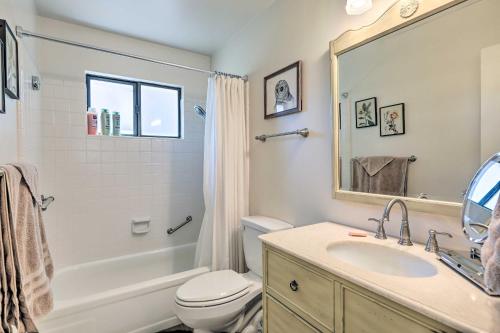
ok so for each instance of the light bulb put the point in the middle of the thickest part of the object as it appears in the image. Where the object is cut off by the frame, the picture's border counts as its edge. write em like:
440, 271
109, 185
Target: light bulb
358, 7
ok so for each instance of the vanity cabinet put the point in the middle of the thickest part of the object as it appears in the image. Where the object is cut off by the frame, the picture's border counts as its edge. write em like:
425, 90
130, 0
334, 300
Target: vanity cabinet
299, 297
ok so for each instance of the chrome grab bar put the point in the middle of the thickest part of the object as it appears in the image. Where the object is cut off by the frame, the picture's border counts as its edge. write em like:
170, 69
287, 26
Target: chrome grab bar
304, 132
172, 230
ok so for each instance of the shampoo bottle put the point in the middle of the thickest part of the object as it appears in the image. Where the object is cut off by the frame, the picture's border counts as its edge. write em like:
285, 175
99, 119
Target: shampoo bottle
105, 122
92, 121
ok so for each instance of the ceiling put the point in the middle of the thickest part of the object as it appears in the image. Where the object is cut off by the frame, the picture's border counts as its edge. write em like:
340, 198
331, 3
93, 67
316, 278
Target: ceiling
197, 25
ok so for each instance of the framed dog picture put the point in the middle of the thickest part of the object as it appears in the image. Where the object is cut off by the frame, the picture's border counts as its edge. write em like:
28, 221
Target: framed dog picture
392, 120
283, 91
11, 60
366, 112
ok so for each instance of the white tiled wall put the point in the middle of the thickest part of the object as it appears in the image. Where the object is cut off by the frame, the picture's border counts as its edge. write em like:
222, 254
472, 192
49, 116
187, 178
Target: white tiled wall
102, 183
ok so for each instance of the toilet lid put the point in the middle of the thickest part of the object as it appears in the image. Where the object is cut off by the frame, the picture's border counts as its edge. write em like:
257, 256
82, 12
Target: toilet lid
212, 286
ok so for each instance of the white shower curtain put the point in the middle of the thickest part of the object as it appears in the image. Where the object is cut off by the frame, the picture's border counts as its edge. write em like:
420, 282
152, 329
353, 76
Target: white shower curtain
225, 175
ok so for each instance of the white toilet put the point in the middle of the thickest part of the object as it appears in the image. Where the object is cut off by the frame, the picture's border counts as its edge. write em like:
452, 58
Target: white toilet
213, 302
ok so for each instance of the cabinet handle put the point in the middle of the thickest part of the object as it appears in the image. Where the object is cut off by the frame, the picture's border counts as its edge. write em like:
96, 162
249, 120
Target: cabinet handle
294, 285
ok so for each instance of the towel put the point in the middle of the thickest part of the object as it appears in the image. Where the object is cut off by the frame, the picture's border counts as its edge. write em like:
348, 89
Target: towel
490, 253
26, 267
380, 174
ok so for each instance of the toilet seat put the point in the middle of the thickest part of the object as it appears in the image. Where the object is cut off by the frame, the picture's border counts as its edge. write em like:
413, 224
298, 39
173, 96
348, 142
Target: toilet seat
212, 289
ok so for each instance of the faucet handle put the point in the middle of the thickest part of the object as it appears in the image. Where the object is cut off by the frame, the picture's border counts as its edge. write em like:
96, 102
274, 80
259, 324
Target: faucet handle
432, 243
380, 234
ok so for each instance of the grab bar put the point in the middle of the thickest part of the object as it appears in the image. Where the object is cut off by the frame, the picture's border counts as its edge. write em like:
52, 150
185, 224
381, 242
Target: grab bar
172, 230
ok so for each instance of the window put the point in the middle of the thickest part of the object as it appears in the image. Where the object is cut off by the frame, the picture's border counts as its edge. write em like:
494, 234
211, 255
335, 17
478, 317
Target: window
146, 109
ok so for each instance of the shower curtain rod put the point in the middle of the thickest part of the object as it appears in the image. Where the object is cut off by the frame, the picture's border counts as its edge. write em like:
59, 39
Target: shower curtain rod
25, 33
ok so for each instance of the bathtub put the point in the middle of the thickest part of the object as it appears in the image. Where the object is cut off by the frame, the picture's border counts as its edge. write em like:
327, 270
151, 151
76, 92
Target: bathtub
130, 294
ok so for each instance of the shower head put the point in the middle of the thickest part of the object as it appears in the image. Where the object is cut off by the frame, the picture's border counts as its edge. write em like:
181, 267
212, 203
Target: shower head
200, 111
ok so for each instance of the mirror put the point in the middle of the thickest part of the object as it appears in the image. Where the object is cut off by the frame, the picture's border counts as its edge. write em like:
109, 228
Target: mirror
415, 99
481, 199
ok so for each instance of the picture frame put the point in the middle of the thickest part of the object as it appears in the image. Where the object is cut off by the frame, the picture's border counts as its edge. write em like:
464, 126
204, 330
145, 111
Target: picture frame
365, 112
2, 86
11, 60
392, 120
283, 91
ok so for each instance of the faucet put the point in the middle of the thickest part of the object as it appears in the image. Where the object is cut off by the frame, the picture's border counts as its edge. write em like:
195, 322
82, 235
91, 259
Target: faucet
404, 235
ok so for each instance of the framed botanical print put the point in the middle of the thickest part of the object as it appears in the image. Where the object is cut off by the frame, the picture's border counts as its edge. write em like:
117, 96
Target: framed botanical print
366, 112
392, 120
2, 88
283, 91
11, 60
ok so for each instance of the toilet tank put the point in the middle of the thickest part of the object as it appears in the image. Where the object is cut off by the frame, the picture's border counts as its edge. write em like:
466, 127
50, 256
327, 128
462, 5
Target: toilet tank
253, 226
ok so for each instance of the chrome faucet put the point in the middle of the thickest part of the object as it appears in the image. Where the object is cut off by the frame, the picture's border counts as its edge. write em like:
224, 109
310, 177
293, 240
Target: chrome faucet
404, 235
432, 243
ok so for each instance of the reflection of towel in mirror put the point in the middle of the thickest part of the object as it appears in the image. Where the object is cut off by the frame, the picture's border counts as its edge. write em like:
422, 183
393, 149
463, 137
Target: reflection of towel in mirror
380, 174
490, 253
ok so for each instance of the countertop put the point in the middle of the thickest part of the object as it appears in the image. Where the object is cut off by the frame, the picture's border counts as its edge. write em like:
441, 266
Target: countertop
445, 297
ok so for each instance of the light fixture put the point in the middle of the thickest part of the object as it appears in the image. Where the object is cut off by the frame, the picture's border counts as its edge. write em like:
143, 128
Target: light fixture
358, 7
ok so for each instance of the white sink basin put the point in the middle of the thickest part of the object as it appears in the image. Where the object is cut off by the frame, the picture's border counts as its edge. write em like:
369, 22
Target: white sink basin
381, 259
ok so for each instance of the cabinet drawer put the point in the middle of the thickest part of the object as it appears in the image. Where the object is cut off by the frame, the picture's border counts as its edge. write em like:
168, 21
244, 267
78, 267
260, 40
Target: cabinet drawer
281, 320
309, 293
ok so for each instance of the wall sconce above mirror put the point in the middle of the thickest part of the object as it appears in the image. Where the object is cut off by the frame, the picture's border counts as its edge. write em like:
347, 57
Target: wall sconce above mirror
406, 85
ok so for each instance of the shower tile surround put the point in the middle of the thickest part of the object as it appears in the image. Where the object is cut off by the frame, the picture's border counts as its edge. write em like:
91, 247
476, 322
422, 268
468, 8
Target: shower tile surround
101, 183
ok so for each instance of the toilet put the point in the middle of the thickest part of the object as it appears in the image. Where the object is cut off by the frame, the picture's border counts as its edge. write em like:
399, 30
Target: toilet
214, 301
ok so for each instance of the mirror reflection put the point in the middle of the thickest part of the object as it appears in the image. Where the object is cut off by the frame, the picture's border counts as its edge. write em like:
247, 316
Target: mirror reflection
417, 106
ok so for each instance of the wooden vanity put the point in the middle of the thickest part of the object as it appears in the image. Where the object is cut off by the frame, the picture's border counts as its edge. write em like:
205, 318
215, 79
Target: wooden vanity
302, 298
306, 289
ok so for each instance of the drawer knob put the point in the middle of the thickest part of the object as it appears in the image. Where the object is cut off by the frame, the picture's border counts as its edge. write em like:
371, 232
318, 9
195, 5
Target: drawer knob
294, 285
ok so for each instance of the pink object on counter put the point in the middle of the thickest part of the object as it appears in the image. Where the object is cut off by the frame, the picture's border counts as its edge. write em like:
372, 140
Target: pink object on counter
358, 234
92, 123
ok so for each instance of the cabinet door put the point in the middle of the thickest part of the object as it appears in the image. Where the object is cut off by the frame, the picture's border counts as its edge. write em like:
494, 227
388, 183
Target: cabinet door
281, 320
362, 312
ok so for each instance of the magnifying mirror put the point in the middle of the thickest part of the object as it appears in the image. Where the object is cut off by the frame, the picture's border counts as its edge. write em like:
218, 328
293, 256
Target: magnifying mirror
480, 200
479, 203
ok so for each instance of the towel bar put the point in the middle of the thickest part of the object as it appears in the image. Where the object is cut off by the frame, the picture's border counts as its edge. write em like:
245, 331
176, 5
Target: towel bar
46, 201
303, 132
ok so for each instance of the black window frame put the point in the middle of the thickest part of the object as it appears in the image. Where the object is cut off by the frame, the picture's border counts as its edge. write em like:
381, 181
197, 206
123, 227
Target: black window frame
137, 107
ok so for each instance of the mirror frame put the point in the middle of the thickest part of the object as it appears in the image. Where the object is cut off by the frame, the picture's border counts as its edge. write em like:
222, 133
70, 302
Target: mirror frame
391, 21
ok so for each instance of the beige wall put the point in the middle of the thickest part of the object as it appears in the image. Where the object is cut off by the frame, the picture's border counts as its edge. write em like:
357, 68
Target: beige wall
490, 101
291, 177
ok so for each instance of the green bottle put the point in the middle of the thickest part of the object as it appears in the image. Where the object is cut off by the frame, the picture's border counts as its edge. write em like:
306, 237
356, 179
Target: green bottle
105, 122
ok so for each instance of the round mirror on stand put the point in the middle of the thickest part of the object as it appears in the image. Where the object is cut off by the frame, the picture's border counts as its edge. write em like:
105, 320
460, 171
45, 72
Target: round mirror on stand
479, 203
480, 200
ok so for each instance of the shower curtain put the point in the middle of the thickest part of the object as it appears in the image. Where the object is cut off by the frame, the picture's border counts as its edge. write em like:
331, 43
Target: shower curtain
225, 175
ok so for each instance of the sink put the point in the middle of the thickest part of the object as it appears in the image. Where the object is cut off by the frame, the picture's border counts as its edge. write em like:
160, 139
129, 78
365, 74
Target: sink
381, 259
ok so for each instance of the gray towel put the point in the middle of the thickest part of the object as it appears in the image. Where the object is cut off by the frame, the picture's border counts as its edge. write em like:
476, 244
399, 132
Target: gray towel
25, 262
490, 253
380, 174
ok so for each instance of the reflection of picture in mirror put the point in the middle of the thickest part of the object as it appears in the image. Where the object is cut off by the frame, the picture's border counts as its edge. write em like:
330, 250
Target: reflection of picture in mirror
366, 113
282, 92
487, 190
392, 120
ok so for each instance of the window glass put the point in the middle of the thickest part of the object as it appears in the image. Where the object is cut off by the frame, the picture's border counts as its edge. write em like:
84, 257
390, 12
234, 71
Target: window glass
159, 111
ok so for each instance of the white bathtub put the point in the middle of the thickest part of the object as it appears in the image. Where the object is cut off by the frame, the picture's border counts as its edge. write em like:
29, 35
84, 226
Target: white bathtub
131, 294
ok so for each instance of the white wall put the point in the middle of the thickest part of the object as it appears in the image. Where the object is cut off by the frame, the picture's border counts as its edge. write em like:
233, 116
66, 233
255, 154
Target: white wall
102, 183
291, 178
20, 124
438, 77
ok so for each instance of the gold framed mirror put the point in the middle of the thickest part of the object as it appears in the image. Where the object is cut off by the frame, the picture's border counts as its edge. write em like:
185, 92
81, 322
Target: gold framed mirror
408, 93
